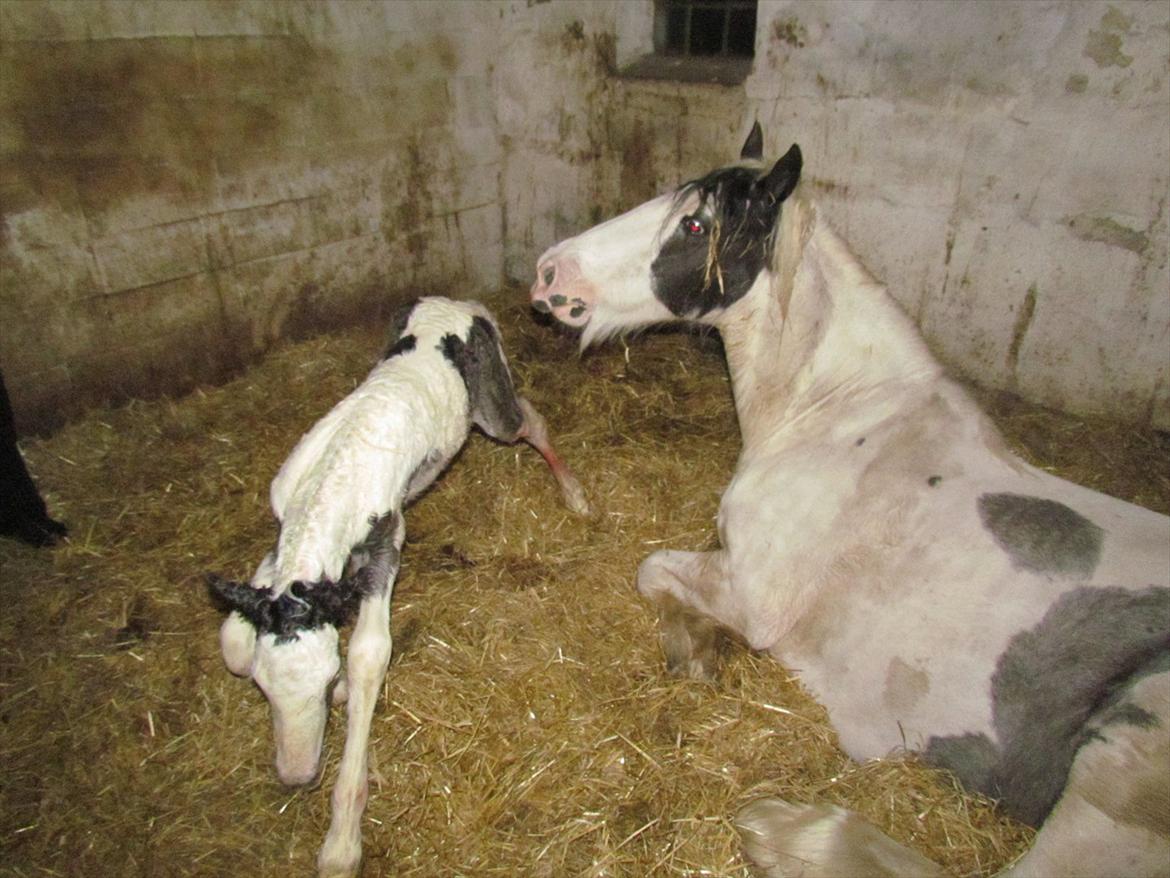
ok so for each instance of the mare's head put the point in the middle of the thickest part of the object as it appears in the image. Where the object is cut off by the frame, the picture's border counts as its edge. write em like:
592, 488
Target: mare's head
684, 255
288, 645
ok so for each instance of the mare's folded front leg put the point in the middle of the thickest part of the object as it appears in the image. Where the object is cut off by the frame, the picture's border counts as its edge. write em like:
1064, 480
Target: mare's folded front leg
689, 639
685, 587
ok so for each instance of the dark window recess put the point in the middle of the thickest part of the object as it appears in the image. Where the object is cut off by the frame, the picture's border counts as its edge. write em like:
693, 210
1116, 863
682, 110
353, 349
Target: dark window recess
706, 28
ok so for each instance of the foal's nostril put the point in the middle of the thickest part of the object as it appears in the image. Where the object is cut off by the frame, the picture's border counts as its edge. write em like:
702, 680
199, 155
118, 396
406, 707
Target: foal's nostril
549, 275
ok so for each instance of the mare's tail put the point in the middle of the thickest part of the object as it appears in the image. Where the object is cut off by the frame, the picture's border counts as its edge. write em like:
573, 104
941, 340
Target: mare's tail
823, 841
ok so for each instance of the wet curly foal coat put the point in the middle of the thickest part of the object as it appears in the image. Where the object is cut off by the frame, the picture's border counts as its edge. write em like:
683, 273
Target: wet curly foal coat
339, 498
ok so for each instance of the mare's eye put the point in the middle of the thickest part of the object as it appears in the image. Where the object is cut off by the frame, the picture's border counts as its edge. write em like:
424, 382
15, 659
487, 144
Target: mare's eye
693, 225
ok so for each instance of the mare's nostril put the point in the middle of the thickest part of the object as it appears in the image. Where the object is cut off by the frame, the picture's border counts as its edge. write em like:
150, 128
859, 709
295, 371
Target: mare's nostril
549, 274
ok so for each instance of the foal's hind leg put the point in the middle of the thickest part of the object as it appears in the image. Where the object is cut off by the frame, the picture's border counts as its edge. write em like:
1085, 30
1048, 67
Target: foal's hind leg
1114, 815
681, 585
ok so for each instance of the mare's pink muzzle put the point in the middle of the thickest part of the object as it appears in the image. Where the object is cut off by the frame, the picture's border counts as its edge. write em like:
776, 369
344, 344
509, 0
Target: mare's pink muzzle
561, 291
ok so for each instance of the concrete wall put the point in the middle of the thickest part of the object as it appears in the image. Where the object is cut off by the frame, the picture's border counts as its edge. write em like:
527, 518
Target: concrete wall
589, 144
1003, 167
182, 183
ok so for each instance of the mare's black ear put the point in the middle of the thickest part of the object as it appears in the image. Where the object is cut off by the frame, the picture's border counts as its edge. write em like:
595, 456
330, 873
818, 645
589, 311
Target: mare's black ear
491, 394
396, 343
753, 147
251, 603
784, 176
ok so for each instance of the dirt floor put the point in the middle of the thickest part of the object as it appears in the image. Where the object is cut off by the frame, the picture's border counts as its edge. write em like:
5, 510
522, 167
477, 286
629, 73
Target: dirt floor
527, 725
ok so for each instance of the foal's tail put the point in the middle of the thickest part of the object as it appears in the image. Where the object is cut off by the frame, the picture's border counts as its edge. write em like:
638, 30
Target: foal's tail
823, 841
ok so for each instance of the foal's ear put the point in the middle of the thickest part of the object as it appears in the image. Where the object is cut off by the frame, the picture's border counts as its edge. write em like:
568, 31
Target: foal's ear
784, 176
249, 602
491, 394
753, 147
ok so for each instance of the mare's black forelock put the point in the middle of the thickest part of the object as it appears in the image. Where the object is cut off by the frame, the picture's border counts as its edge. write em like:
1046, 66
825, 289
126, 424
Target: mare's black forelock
740, 208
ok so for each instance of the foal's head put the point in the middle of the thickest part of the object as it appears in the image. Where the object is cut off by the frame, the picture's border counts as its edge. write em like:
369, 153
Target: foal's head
685, 255
288, 645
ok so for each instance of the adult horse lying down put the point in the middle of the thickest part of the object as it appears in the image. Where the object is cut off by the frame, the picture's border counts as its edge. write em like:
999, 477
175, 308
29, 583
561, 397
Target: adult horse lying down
879, 539
339, 500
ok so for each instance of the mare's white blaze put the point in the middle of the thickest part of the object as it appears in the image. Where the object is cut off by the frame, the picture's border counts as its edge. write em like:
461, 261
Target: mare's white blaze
295, 678
604, 274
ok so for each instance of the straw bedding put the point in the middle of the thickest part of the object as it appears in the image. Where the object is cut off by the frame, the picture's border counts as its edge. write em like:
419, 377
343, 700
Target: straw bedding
527, 726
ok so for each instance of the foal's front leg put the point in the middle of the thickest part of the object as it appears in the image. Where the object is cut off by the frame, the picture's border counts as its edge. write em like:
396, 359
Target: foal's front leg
366, 661
688, 590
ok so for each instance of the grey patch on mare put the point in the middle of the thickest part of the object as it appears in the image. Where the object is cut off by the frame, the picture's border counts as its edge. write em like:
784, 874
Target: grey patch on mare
1118, 711
1057, 686
490, 392
1042, 536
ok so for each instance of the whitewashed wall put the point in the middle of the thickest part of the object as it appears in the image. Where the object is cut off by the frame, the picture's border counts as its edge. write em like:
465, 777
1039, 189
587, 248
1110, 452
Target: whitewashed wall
1003, 167
184, 183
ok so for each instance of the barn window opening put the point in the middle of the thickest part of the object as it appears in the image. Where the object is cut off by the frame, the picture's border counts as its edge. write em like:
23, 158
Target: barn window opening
711, 41
706, 28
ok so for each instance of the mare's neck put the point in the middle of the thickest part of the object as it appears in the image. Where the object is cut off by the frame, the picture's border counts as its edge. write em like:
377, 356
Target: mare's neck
815, 336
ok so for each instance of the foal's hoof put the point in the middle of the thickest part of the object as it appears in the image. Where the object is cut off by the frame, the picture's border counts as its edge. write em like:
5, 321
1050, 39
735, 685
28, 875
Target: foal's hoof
341, 865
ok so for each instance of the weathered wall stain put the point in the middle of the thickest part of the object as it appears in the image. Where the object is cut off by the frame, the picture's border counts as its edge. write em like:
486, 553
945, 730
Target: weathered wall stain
1023, 320
790, 31
294, 165
173, 202
1103, 46
118, 117
1106, 230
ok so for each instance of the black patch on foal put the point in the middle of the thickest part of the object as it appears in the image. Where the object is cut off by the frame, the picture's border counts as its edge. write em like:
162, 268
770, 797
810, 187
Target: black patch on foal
404, 345
490, 392
713, 256
1057, 686
399, 321
1042, 536
305, 606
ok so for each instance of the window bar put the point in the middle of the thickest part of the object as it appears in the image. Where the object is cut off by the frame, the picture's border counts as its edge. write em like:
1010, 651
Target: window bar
726, 30
687, 30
